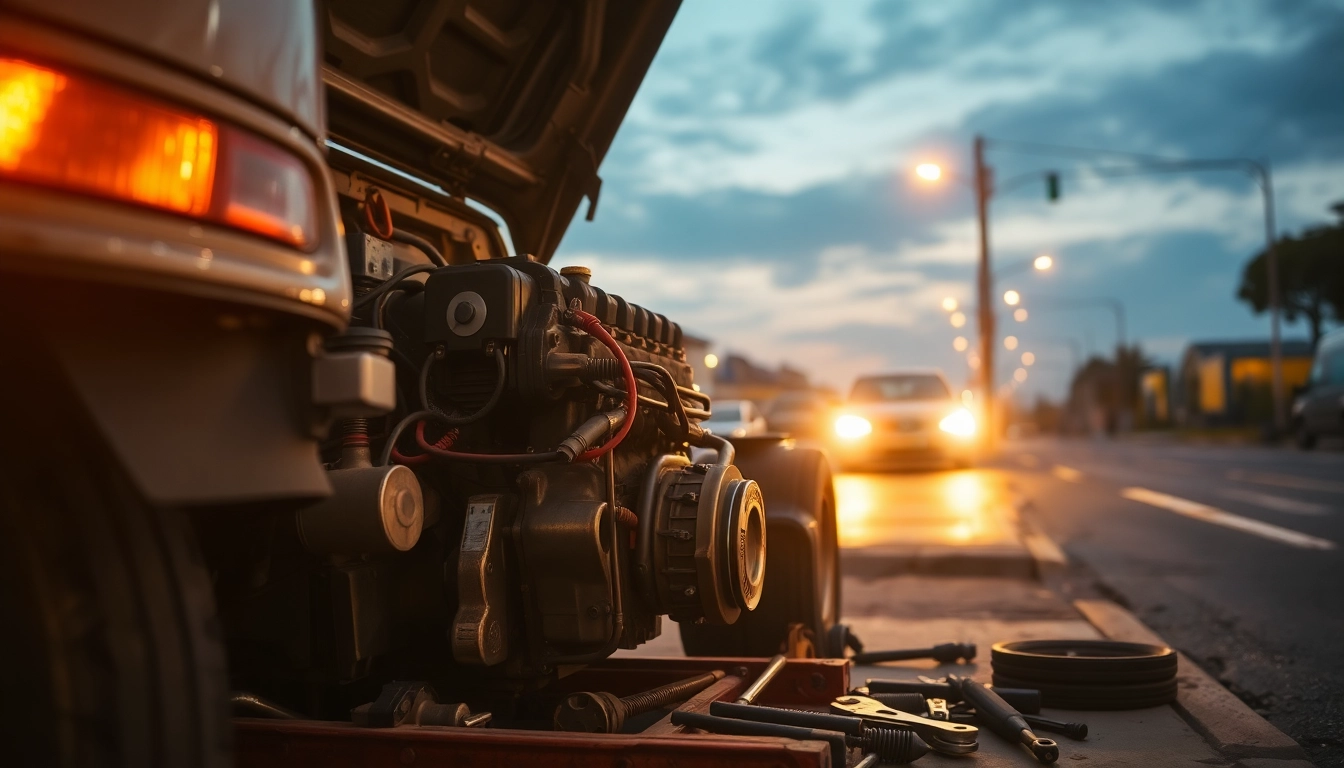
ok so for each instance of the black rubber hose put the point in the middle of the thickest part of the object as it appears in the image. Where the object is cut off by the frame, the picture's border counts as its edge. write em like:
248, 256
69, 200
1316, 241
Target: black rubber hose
372, 296
416, 241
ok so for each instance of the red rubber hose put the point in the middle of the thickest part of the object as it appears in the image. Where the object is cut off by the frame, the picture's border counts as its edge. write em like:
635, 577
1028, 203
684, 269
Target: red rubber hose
593, 326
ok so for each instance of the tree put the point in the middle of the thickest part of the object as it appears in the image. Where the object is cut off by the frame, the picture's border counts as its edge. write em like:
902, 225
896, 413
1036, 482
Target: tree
1311, 276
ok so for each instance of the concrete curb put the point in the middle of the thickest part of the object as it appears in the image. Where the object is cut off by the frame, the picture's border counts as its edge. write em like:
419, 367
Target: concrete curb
1213, 711
930, 560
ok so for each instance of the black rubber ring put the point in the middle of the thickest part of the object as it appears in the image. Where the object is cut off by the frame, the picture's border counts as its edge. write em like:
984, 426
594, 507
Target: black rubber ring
1098, 697
1079, 677
1083, 656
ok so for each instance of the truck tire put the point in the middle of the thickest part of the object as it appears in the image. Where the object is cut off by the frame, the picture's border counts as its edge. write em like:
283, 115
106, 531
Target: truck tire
802, 563
112, 649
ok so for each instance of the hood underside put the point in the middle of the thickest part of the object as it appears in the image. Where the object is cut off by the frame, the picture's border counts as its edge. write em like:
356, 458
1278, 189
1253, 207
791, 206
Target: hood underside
513, 103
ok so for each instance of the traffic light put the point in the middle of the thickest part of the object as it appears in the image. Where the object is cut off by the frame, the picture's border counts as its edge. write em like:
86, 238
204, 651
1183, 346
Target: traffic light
1052, 186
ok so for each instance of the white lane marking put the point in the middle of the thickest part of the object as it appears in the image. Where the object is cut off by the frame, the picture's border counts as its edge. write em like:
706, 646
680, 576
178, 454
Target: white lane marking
1194, 509
1275, 503
1067, 474
1285, 481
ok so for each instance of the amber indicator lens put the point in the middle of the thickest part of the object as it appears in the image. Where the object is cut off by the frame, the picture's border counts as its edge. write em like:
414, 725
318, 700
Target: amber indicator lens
81, 135
86, 137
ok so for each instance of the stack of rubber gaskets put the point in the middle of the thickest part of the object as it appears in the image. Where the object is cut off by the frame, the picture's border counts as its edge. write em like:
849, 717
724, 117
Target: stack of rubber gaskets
1088, 674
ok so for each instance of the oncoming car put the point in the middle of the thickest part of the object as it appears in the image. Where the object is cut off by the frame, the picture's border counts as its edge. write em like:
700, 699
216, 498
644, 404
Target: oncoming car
906, 417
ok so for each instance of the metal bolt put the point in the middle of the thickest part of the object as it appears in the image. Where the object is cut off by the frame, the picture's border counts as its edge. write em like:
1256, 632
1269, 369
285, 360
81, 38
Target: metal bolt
602, 712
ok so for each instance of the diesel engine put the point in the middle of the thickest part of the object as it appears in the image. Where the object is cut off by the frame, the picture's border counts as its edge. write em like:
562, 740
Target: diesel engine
526, 503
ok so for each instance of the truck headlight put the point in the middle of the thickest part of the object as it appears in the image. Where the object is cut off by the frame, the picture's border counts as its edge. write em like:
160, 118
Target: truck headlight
959, 423
851, 427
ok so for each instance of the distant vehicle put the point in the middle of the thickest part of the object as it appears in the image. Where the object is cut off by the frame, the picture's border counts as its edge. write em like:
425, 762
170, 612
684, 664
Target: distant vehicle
906, 417
1318, 410
736, 418
806, 413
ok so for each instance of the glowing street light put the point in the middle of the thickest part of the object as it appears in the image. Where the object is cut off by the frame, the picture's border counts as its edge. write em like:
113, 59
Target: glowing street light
973, 360
1020, 314
967, 396
928, 171
711, 361
949, 304
1010, 342
958, 319
1012, 298
1028, 358
961, 343
1043, 262
1020, 375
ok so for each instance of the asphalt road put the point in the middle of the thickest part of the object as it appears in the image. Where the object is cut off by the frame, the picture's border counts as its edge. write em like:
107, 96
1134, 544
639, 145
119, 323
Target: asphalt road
1234, 554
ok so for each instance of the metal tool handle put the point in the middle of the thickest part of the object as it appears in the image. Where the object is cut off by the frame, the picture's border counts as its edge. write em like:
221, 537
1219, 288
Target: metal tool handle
1022, 699
754, 690
1077, 731
725, 725
852, 726
945, 653
1000, 717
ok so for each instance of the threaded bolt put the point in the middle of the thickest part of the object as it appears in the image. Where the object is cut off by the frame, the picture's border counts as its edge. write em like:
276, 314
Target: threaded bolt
892, 745
602, 712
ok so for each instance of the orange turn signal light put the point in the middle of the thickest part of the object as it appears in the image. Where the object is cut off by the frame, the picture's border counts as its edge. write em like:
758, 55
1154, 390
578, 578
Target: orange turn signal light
82, 135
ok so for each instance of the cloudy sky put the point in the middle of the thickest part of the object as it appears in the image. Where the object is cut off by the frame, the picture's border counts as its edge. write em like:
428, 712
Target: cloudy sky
761, 190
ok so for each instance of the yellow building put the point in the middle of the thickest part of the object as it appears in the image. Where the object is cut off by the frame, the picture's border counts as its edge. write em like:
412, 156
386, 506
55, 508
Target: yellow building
1225, 383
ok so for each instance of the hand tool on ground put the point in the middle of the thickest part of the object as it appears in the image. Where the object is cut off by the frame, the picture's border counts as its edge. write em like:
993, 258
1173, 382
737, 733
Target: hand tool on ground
945, 653
893, 745
870, 760
602, 712
1076, 731
947, 738
729, 726
938, 709
754, 690
1000, 717
913, 703
1024, 699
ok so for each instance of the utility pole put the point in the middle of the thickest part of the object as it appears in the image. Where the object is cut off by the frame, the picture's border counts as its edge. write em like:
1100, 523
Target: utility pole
984, 184
1272, 267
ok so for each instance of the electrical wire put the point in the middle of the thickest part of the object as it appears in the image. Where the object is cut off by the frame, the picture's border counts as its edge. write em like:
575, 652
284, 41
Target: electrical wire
594, 327
371, 296
483, 458
421, 417
501, 376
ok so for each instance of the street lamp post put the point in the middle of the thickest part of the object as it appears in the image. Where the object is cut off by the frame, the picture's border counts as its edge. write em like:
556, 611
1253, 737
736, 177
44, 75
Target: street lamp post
985, 292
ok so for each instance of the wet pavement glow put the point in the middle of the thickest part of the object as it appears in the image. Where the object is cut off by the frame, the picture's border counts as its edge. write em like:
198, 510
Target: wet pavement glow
965, 507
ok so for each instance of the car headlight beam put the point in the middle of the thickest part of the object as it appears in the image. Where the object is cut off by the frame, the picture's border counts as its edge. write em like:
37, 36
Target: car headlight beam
959, 423
851, 427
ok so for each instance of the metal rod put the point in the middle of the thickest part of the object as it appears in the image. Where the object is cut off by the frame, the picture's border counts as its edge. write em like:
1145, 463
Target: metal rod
754, 690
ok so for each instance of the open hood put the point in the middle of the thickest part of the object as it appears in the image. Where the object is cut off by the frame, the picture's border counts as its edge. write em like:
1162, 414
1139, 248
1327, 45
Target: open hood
510, 102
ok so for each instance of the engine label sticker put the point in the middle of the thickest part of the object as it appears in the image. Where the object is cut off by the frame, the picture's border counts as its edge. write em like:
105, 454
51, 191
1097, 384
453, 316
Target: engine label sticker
476, 533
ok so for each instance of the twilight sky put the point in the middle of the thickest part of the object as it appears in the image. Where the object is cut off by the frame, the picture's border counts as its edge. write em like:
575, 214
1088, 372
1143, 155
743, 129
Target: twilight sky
761, 190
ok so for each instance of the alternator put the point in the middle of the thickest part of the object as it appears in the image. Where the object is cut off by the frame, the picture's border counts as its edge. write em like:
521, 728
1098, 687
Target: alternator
707, 543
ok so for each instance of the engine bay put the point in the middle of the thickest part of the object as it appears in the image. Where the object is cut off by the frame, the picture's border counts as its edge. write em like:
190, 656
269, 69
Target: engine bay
524, 505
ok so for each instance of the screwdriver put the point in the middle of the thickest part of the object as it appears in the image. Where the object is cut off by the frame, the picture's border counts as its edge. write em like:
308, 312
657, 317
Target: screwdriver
1000, 717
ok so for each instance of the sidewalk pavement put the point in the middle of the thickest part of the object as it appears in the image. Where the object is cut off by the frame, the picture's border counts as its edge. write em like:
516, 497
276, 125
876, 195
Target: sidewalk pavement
941, 557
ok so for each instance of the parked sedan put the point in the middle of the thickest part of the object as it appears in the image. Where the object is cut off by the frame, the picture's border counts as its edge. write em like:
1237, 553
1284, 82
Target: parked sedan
806, 413
736, 418
1318, 410
904, 418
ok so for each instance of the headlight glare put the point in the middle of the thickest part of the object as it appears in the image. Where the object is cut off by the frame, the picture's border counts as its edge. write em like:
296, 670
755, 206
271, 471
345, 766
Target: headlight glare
959, 423
851, 427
